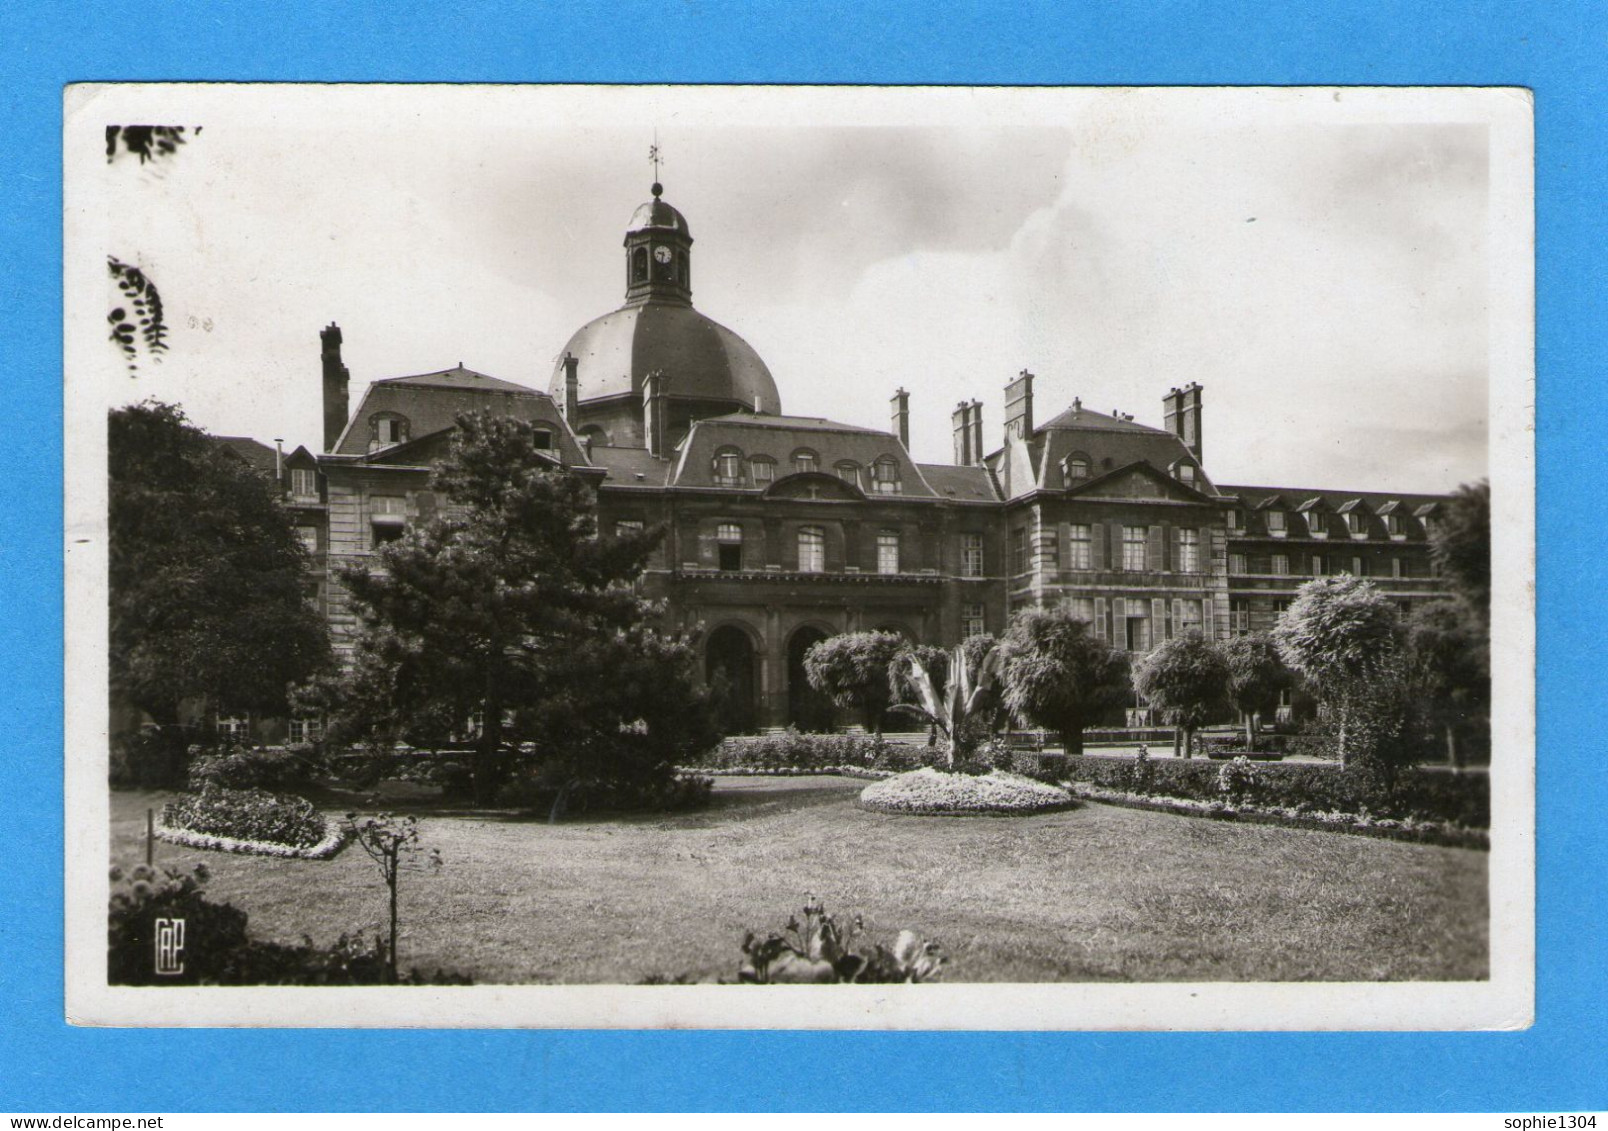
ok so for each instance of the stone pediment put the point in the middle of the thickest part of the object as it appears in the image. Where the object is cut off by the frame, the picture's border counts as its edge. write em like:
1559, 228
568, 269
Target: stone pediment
813, 485
1138, 481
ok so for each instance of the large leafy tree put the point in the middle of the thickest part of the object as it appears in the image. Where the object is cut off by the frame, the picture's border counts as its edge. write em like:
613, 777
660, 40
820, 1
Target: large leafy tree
1462, 544
855, 670
207, 576
1058, 674
507, 607
1449, 651
1346, 640
1257, 677
1188, 679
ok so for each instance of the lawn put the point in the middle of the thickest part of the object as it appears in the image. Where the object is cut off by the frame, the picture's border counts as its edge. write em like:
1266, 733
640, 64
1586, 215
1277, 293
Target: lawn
1096, 893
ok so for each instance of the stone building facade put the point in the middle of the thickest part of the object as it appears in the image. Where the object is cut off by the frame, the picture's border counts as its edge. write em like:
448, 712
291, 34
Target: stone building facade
782, 530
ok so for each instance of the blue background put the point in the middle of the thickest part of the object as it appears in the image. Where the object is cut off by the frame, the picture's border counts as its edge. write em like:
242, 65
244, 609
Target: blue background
1560, 50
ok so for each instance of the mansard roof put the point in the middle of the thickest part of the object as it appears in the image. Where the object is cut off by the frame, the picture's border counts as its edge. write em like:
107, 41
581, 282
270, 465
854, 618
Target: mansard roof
778, 437
1261, 498
967, 484
253, 453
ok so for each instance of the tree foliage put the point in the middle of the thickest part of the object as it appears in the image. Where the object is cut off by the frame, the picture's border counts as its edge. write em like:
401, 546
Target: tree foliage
1346, 640
1058, 674
1449, 651
508, 608
1257, 677
958, 702
1462, 544
1188, 679
855, 670
206, 574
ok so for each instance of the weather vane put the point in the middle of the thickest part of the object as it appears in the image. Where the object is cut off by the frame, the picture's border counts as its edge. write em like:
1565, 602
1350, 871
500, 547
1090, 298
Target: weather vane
653, 156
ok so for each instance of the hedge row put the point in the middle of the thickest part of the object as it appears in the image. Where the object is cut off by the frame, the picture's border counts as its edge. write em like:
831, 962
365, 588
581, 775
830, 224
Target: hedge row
1459, 799
793, 750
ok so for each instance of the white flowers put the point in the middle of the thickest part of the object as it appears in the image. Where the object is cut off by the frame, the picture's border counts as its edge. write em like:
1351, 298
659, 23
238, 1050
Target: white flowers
932, 791
334, 835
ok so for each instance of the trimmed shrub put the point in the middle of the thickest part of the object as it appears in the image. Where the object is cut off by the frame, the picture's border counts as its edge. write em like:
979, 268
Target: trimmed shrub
792, 750
1462, 799
253, 767
932, 791
247, 814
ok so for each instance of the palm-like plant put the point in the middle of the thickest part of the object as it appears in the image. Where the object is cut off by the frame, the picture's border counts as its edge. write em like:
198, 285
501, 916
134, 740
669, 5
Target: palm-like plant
966, 693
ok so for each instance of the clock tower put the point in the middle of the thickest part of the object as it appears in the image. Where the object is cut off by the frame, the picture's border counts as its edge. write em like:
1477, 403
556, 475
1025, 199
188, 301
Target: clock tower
658, 254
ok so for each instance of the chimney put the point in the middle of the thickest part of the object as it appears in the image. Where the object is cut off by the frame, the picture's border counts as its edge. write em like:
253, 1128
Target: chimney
279, 459
654, 430
1019, 407
977, 432
901, 417
1189, 412
963, 434
336, 379
1170, 414
572, 389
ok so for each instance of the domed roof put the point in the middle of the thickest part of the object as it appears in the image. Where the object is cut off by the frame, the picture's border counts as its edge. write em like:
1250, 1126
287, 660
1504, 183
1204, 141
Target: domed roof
657, 214
701, 358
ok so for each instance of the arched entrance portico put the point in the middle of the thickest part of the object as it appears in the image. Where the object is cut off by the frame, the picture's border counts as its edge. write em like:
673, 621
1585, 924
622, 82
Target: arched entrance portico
807, 708
729, 665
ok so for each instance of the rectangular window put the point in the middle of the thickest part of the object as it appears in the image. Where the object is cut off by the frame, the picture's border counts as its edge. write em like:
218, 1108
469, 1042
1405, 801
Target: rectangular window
972, 622
728, 469
1358, 524
1393, 522
971, 555
1188, 617
764, 472
1019, 550
308, 535
888, 552
885, 477
1359, 567
1281, 605
304, 483
849, 473
1237, 564
383, 535
1081, 607
627, 528
729, 542
1188, 551
1138, 628
1275, 523
1236, 519
1396, 570
1317, 565
1281, 565
1316, 525
306, 730
1239, 616
1135, 539
388, 506
811, 550
805, 461
1081, 545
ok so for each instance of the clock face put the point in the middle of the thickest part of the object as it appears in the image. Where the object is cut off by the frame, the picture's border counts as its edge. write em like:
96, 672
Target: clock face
662, 254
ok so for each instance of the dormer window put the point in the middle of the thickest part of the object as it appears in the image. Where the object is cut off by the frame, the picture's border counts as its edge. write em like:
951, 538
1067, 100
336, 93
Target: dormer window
849, 472
1275, 523
387, 428
1186, 474
1236, 520
728, 468
1394, 524
1316, 524
1357, 523
303, 483
542, 439
763, 469
885, 475
1074, 468
806, 460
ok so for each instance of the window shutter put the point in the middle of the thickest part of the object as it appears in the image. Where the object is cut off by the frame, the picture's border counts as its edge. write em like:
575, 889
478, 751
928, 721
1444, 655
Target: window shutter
1158, 621
1119, 618
1065, 530
1177, 547
1154, 550
1100, 618
1178, 615
1097, 532
1114, 545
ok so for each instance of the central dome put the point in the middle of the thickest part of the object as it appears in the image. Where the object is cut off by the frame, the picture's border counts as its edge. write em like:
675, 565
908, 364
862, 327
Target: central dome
658, 330
701, 358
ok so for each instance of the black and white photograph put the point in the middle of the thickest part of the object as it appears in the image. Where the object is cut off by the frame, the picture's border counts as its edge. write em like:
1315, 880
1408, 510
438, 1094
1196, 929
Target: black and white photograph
799, 557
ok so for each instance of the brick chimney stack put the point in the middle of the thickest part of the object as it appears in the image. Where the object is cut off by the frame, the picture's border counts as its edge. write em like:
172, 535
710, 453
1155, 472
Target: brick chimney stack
901, 417
1182, 410
655, 427
336, 381
961, 418
572, 389
1019, 407
977, 432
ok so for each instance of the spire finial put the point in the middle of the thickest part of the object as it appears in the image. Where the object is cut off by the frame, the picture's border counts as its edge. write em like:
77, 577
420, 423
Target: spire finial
657, 160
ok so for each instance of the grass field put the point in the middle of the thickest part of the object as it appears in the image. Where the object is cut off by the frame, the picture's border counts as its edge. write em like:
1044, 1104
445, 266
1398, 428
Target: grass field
1092, 894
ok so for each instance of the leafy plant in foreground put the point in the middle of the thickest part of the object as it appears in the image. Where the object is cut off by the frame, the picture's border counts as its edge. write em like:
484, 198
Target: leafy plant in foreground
821, 951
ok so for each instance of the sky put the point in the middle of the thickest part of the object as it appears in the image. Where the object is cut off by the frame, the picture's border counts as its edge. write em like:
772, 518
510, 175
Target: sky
1321, 266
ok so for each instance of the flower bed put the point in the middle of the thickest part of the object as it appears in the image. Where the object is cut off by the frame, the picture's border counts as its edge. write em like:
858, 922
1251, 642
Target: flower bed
929, 791
1360, 824
249, 820
791, 772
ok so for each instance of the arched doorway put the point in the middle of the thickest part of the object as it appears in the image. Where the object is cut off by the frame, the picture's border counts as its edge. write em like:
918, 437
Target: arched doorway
729, 667
807, 708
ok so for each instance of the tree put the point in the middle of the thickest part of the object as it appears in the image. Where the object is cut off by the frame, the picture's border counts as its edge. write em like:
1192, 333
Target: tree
1058, 674
207, 576
508, 608
1449, 650
1462, 544
905, 684
854, 670
960, 702
1188, 678
1257, 678
1345, 639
